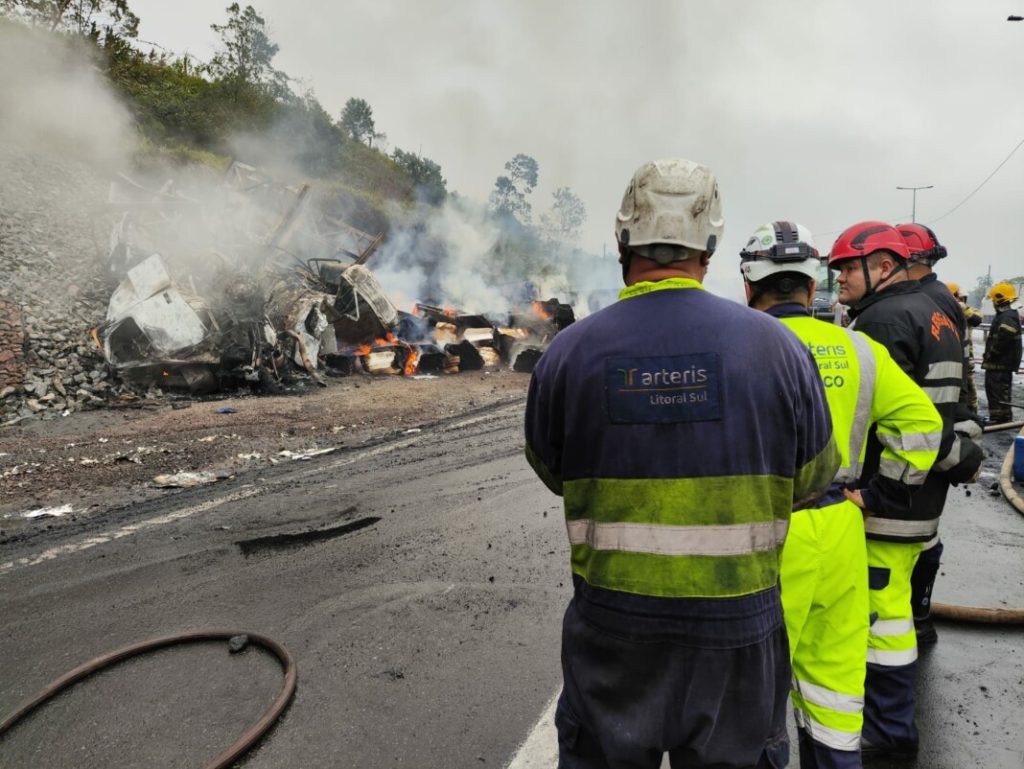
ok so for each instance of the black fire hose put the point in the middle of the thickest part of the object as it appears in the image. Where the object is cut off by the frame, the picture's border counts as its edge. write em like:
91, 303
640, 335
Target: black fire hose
251, 736
973, 613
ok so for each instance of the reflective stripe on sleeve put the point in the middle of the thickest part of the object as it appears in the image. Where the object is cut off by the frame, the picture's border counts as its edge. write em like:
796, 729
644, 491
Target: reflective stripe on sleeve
940, 395
952, 459
826, 698
911, 441
659, 539
862, 416
833, 738
892, 659
901, 471
946, 369
897, 528
892, 627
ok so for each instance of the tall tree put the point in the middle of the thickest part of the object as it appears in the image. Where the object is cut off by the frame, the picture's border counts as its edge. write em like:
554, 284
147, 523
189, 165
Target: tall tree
566, 216
247, 52
523, 171
508, 198
357, 121
99, 18
425, 173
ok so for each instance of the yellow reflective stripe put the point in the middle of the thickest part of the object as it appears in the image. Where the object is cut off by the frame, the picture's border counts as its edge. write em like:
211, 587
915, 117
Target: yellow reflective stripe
658, 539
892, 658
1012, 329
715, 500
897, 528
811, 480
826, 735
891, 627
946, 369
827, 698
677, 576
648, 286
940, 395
901, 471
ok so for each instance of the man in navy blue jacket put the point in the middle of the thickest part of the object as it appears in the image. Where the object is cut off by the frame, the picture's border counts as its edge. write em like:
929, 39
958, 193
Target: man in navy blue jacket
681, 429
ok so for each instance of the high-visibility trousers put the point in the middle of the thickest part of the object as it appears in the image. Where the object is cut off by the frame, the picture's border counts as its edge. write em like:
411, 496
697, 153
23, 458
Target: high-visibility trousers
825, 604
892, 648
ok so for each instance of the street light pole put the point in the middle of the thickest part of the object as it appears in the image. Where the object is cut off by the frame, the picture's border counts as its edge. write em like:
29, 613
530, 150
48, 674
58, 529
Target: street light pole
913, 214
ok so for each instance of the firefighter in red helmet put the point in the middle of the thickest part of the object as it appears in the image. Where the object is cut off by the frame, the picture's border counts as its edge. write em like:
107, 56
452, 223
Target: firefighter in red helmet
889, 306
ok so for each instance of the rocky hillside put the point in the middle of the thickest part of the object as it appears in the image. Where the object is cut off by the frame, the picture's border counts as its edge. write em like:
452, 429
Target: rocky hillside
53, 285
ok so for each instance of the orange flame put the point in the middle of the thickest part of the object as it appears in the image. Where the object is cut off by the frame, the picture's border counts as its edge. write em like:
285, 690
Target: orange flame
410, 362
538, 308
390, 340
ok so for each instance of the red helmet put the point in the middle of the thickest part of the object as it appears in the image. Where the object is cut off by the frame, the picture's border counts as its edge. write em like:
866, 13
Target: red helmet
864, 239
924, 247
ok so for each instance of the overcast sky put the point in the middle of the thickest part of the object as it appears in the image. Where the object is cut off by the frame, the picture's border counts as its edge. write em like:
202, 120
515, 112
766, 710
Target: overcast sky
805, 110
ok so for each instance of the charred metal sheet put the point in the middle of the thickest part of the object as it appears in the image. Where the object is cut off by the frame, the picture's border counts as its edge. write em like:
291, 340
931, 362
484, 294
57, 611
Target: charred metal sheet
363, 310
148, 319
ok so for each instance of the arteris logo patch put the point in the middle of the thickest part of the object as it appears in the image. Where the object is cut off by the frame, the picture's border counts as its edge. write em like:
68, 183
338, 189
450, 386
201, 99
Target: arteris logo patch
663, 389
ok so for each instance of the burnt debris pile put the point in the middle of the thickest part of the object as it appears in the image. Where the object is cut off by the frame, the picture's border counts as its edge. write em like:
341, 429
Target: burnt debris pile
248, 283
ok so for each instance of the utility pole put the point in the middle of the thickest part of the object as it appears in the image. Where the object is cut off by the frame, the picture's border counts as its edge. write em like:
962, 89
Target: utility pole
913, 213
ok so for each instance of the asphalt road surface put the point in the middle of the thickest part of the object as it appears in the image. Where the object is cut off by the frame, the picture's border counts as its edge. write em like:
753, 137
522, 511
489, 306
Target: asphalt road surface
419, 583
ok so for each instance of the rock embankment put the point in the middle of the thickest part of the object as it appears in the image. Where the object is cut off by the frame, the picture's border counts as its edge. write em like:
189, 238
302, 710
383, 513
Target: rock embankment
54, 285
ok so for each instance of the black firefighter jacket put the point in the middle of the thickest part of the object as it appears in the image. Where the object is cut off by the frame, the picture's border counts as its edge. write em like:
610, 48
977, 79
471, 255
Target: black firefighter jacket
1003, 346
926, 345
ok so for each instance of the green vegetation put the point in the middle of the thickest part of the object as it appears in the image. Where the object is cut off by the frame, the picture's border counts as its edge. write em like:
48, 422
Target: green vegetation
239, 105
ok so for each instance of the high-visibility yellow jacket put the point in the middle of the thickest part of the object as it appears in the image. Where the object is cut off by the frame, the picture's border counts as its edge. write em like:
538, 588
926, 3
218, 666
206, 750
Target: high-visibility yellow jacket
864, 387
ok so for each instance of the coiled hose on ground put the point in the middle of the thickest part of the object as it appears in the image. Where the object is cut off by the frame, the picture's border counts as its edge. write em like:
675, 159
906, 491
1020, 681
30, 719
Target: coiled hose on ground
972, 613
251, 736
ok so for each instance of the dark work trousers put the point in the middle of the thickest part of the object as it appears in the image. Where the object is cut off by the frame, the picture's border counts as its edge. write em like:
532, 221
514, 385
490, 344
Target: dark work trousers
922, 580
997, 390
701, 689
888, 711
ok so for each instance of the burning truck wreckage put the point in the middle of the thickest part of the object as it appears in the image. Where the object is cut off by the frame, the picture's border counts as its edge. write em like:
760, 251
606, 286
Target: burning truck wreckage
284, 294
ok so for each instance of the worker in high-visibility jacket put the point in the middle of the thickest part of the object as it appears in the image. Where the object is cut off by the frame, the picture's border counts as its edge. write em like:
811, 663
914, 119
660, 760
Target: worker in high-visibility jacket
681, 429
824, 561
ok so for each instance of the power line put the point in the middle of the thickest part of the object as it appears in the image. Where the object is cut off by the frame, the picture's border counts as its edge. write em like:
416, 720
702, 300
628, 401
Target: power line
954, 208
1005, 161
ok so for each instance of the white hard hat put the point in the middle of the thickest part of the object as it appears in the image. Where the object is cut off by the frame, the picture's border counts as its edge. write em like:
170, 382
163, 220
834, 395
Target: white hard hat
779, 247
672, 202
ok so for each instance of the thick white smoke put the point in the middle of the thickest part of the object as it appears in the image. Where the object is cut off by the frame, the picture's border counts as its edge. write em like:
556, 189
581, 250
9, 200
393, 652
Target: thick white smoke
54, 101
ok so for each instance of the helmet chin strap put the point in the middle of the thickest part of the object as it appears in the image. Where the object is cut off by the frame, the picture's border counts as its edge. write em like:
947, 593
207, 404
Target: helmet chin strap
869, 289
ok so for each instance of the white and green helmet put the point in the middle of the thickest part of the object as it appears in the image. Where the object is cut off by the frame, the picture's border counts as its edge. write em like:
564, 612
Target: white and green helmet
779, 247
